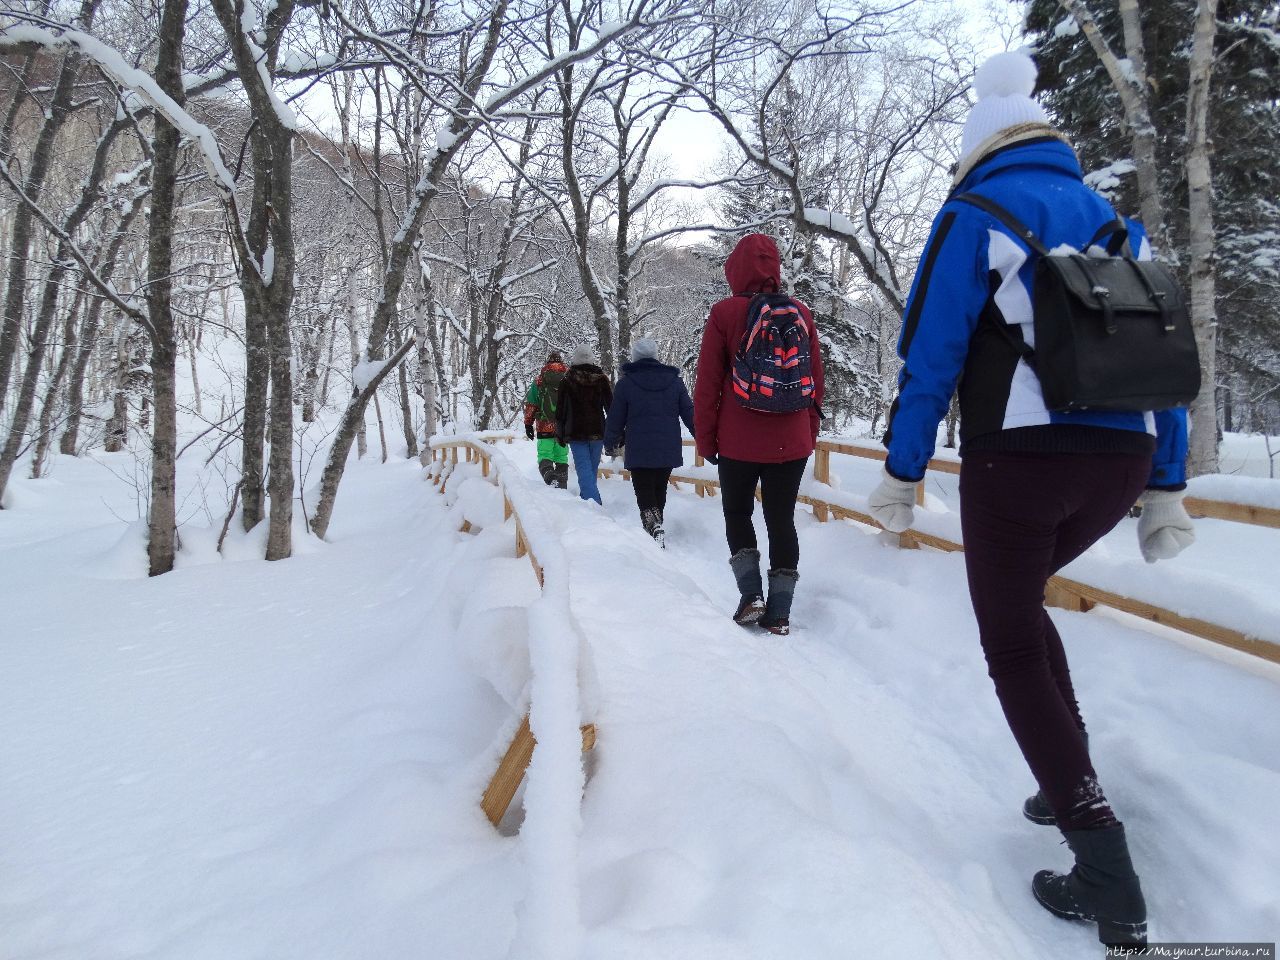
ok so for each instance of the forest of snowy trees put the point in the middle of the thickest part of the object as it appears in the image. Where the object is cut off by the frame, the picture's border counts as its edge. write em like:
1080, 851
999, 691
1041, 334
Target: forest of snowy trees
373, 219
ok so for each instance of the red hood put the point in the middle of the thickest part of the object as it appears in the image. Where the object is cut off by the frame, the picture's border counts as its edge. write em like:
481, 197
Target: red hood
754, 265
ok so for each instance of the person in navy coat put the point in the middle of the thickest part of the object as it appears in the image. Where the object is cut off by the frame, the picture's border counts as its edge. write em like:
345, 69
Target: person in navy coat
649, 403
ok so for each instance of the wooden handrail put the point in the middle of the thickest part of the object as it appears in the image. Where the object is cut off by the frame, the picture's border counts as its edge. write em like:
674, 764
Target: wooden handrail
1196, 506
515, 761
1060, 592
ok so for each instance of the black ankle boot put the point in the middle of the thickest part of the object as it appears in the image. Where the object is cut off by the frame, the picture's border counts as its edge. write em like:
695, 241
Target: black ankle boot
746, 570
777, 611
652, 520
1101, 888
1037, 809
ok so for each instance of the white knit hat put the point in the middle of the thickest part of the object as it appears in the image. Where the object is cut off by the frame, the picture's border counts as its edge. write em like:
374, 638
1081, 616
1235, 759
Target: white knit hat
1003, 85
646, 348
583, 354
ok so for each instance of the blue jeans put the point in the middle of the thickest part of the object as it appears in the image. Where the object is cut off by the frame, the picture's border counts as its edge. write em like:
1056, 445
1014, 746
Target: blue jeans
586, 461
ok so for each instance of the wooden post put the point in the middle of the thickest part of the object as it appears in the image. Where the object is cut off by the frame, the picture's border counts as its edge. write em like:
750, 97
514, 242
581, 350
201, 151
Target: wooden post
1057, 594
506, 507
506, 779
822, 473
920, 494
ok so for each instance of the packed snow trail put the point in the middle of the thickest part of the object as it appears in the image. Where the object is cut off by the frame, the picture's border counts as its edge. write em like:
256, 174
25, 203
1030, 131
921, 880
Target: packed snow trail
854, 786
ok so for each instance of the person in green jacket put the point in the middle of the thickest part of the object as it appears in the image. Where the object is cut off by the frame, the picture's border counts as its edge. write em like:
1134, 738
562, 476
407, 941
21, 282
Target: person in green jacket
540, 422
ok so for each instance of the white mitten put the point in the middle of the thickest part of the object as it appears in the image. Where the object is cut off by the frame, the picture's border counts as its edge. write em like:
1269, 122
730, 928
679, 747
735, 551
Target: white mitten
893, 503
1164, 529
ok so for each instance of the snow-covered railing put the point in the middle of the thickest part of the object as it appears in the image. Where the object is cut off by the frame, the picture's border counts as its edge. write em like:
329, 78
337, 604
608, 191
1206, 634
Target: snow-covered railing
549, 917
1237, 499
942, 531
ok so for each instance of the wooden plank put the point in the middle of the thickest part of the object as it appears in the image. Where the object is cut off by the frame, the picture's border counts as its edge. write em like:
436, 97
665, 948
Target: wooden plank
1236, 512
822, 473
507, 509
511, 769
1192, 625
506, 779
1058, 594
872, 453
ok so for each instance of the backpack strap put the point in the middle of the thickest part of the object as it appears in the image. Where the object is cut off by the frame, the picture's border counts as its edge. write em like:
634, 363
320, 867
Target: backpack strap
1118, 244
1020, 229
1028, 236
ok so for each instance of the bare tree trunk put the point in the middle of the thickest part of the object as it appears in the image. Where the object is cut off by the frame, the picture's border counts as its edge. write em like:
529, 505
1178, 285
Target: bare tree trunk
42, 157
117, 431
257, 373
1131, 83
581, 225
162, 524
89, 334
406, 412
267, 253
44, 432
38, 341
1203, 453
382, 432
426, 380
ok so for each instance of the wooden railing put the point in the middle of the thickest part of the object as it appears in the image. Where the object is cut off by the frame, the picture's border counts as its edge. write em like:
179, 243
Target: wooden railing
1061, 591
1196, 506
511, 769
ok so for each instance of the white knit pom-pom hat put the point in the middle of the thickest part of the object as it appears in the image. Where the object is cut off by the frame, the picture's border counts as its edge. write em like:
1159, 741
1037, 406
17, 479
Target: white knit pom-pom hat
1003, 85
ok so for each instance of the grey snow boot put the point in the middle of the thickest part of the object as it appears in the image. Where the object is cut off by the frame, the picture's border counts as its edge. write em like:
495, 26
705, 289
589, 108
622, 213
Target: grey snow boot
777, 611
1037, 809
1101, 888
746, 570
652, 521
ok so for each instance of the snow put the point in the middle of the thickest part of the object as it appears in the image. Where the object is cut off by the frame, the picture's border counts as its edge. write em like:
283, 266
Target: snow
445, 139
1253, 491
366, 371
831, 220
248, 759
1107, 178
1067, 27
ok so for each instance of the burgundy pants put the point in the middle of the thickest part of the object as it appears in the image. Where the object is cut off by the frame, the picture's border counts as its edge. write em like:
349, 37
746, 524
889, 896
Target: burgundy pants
1025, 516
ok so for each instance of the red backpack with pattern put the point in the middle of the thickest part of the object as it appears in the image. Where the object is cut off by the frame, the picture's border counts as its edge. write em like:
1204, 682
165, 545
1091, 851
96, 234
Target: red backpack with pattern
773, 366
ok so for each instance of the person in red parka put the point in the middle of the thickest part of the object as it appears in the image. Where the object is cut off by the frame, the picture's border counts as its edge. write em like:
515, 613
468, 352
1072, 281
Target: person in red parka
751, 447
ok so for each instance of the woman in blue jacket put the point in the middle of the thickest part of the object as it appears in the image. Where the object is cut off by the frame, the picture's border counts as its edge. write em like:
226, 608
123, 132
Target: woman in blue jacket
1037, 487
649, 402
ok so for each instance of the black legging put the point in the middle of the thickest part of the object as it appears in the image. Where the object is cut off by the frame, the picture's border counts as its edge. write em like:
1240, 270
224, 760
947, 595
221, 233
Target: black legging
1025, 517
779, 487
650, 484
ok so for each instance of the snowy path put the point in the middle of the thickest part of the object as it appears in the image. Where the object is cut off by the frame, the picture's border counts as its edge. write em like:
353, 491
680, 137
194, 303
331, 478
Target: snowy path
856, 783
